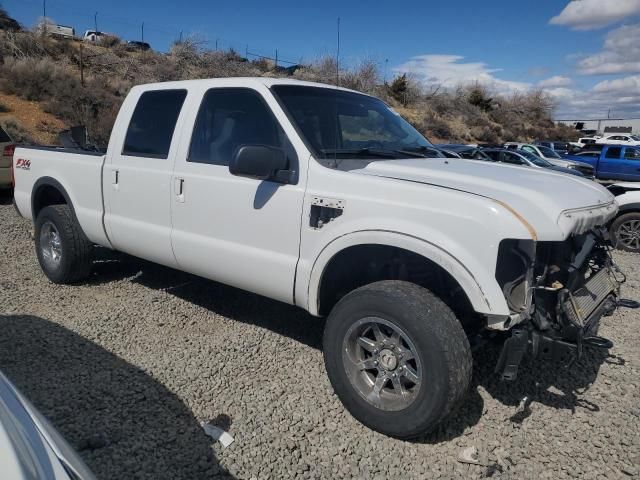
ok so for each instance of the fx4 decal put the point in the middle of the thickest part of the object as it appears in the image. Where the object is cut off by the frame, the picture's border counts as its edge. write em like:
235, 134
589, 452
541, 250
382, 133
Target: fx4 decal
23, 163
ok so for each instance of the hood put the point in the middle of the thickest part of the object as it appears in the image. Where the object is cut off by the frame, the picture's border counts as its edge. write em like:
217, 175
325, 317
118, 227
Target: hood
544, 199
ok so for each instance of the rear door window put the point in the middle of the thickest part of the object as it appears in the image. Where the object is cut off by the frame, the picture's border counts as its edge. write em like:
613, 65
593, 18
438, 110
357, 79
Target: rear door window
613, 152
153, 123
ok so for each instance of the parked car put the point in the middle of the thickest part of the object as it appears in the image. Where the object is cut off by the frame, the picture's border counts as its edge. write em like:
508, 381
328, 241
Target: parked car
62, 31
322, 197
96, 37
551, 156
625, 228
526, 159
612, 162
619, 139
464, 151
30, 447
135, 45
7, 147
558, 147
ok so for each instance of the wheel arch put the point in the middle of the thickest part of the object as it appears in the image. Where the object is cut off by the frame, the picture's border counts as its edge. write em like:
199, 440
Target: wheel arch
48, 191
628, 208
417, 248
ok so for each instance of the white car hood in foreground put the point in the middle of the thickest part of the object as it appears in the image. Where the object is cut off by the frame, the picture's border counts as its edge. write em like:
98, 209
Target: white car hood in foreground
548, 201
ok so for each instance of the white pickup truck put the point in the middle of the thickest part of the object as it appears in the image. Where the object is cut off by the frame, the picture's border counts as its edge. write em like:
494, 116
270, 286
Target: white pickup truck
325, 198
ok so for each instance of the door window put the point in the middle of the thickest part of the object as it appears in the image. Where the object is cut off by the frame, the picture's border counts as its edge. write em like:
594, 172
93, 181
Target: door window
152, 123
632, 154
228, 119
613, 152
513, 159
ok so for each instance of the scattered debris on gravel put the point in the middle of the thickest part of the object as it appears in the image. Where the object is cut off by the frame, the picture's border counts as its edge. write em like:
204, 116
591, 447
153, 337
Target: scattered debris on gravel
130, 364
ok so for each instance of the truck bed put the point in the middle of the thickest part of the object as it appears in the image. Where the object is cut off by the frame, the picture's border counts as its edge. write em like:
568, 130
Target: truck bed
77, 171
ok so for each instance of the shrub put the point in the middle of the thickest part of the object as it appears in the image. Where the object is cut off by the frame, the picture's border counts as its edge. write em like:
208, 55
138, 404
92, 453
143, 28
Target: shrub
109, 41
17, 133
33, 78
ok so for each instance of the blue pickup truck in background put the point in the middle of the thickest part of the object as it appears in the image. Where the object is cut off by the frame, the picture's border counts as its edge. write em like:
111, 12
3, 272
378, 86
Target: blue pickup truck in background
613, 162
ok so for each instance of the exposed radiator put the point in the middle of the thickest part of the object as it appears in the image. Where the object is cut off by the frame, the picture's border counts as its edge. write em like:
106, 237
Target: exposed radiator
582, 303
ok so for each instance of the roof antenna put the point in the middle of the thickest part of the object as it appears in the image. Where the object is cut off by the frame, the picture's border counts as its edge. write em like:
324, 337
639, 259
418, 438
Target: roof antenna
338, 57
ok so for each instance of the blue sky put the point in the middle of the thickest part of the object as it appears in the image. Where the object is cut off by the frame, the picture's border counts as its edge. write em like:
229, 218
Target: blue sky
585, 53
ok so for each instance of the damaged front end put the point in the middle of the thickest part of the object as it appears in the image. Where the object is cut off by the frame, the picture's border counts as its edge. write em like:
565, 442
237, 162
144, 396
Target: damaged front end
557, 293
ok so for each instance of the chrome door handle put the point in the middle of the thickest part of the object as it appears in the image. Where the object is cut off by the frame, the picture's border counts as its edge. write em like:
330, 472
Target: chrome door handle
178, 187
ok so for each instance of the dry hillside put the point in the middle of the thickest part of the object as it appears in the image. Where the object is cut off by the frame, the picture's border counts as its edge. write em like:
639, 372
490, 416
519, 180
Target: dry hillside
47, 84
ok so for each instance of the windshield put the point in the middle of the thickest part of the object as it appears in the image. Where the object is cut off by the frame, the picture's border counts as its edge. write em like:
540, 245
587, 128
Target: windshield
547, 152
533, 158
635, 137
336, 124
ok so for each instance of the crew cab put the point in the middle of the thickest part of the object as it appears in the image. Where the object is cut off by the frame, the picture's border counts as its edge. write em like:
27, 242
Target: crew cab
612, 162
325, 198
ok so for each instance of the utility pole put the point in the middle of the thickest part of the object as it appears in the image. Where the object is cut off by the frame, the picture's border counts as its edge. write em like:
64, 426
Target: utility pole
386, 63
81, 67
276, 58
44, 16
217, 44
95, 22
246, 52
143, 32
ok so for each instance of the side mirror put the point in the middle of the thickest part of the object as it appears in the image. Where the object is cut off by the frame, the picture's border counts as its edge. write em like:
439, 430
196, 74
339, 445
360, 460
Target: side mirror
261, 162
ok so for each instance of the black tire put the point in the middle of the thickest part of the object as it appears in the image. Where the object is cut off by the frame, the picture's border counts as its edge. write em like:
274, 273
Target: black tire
616, 226
74, 261
438, 337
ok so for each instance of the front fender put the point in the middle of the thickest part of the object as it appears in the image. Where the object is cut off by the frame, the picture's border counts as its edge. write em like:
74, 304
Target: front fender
483, 291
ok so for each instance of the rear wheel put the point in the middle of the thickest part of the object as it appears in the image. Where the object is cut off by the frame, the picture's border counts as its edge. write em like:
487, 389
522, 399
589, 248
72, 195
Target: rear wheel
625, 232
63, 251
397, 357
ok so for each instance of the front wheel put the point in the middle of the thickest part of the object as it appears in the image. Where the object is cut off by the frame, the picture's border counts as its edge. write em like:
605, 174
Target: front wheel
397, 357
625, 232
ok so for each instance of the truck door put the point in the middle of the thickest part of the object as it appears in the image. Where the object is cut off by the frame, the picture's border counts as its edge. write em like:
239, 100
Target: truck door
137, 176
240, 231
609, 164
630, 164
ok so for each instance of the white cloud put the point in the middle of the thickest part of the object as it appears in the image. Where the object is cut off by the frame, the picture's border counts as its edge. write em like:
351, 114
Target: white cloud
592, 14
621, 53
627, 85
621, 96
450, 71
555, 81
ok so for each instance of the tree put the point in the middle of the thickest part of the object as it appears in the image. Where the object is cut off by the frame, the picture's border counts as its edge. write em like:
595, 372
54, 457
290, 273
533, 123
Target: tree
399, 88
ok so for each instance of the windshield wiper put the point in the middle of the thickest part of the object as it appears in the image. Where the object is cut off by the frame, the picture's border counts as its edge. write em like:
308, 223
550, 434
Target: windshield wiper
381, 152
422, 151
375, 152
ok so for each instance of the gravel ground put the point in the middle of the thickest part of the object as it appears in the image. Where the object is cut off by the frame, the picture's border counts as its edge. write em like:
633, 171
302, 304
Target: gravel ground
128, 364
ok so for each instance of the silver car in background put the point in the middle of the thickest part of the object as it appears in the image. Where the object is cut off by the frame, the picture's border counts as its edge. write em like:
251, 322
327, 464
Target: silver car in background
30, 447
553, 157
